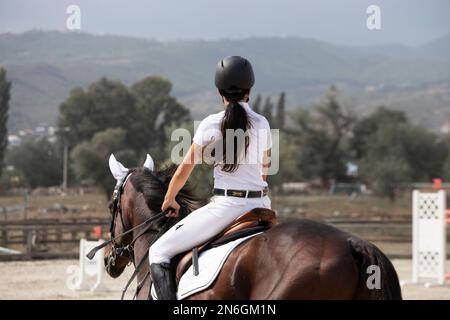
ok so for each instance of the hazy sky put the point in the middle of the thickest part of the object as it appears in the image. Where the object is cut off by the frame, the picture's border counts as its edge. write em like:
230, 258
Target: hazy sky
411, 22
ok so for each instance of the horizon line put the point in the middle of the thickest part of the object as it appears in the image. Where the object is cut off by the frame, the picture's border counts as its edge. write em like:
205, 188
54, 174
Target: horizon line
218, 39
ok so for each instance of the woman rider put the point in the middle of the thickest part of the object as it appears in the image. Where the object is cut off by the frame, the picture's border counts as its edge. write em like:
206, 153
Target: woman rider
239, 176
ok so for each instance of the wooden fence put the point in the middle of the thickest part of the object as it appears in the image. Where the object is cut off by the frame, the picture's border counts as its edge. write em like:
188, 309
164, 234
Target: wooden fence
46, 239
59, 238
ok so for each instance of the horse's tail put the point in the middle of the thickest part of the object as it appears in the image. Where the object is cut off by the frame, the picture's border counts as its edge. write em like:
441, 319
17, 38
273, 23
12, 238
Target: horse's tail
366, 255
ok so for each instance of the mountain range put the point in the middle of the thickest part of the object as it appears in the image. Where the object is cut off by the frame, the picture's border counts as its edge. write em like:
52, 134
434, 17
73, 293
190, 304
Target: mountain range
45, 65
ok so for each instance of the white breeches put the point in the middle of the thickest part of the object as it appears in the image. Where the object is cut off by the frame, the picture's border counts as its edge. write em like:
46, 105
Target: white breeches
201, 225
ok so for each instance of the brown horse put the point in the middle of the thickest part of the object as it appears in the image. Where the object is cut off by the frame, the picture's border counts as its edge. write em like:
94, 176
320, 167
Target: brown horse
298, 259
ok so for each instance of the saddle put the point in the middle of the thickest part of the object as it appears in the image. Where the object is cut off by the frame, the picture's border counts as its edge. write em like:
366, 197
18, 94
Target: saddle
251, 222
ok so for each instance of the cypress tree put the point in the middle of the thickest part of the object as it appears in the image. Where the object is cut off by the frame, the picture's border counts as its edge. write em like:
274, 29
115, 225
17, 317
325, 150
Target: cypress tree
257, 104
267, 110
281, 111
5, 87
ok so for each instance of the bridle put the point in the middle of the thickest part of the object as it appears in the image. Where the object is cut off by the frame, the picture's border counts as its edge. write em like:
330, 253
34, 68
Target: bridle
128, 250
116, 210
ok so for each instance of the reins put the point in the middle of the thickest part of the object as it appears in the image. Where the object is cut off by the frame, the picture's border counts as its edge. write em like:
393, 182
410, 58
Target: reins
128, 250
157, 216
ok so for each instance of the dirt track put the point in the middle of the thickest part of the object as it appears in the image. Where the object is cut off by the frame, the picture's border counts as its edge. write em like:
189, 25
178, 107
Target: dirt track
48, 280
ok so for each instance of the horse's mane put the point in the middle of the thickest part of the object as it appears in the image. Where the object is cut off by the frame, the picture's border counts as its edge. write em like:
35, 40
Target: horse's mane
153, 185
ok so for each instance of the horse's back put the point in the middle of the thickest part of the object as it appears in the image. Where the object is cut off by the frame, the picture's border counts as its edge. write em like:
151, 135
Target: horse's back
303, 259
289, 261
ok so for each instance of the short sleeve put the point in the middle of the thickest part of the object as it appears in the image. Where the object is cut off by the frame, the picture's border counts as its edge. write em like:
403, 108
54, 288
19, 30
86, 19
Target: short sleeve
204, 133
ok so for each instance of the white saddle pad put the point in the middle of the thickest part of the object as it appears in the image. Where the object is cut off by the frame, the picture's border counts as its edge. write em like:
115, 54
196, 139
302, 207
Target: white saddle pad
210, 263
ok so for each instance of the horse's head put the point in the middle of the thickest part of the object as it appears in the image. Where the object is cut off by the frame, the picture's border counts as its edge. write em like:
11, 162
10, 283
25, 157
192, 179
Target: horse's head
120, 252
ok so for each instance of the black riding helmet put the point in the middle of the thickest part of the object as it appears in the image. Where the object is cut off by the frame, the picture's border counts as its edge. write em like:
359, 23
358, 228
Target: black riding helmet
234, 72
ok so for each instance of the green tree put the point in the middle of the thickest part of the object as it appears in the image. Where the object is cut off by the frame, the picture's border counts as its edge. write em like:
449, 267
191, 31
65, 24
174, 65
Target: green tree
386, 175
387, 138
446, 169
38, 162
289, 169
385, 165
90, 158
446, 163
257, 104
105, 104
145, 113
157, 111
280, 120
425, 153
366, 127
322, 139
5, 87
388, 147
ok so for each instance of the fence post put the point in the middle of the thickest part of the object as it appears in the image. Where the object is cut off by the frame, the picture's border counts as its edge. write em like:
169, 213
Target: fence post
59, 235
4, 237
25, 204
29, 237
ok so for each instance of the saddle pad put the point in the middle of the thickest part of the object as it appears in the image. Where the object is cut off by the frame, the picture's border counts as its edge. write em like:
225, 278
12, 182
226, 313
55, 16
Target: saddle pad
210, 262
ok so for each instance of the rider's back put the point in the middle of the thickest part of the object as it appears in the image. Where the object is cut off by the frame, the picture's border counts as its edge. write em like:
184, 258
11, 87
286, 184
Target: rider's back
248, 175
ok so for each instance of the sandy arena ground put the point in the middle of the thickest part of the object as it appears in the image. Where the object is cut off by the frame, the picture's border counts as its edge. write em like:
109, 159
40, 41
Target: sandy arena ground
52, 280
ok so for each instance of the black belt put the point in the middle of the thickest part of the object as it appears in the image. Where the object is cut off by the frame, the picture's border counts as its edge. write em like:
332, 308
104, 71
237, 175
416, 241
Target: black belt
240, 193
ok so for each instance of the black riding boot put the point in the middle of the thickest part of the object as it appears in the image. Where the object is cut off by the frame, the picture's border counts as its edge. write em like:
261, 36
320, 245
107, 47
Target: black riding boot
164, 281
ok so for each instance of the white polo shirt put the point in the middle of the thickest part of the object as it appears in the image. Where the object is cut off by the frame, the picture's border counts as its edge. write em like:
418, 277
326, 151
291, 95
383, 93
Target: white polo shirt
248, 175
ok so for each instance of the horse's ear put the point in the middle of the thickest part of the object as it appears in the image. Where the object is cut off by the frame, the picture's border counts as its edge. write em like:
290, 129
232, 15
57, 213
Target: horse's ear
117, 169
149, 164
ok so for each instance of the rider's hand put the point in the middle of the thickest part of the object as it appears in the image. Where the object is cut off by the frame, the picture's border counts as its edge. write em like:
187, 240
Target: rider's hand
171, 204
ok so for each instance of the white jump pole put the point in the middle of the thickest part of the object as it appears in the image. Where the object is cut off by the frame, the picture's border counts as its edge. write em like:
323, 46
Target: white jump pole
90, 268
429, 237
